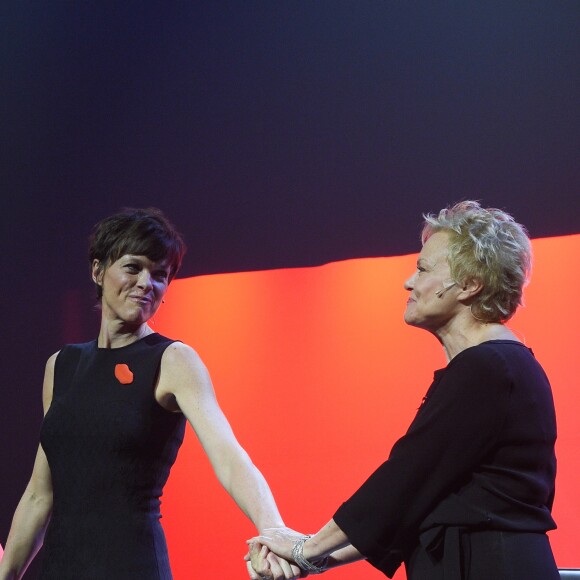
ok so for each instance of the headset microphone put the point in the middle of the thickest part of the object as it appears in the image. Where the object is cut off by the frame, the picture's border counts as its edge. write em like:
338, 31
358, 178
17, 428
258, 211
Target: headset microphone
446, 287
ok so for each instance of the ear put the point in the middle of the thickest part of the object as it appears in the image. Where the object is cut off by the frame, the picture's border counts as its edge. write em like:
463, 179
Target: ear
97, 272
470, 289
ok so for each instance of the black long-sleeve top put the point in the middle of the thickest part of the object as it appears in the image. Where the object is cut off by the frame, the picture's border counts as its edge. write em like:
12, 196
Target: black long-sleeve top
478, 455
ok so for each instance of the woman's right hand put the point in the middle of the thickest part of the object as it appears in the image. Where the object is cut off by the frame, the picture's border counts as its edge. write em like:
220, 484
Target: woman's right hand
279, 540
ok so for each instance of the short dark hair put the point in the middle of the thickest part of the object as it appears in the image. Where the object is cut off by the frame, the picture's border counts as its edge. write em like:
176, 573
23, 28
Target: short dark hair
142, 232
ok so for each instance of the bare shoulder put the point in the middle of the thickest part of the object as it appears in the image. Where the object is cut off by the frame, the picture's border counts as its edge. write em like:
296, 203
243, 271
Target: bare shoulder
48, 383
180, 355
185, 385
182, 368
51, 361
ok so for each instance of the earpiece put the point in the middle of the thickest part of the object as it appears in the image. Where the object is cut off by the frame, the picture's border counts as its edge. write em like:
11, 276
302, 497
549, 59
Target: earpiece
446, 287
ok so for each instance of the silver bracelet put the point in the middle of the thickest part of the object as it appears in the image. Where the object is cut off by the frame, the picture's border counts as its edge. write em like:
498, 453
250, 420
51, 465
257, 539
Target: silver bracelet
303, 563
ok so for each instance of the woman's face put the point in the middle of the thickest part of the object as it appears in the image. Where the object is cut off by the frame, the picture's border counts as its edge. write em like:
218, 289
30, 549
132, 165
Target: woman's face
431, 301
133, 288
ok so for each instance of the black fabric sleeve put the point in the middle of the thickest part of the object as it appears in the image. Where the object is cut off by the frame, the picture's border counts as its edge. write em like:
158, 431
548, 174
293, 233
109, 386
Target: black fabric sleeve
454, 429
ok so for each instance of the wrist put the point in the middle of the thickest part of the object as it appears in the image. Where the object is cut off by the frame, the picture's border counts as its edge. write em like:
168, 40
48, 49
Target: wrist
270, 525
312, 550
309, 562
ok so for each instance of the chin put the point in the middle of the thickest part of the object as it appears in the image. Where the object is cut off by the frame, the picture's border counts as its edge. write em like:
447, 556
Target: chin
136, 318
412, 321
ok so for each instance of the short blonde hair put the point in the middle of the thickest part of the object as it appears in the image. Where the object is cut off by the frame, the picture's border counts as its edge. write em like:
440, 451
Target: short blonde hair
489, 246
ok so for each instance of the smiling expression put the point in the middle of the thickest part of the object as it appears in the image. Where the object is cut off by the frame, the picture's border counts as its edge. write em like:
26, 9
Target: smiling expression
133, 287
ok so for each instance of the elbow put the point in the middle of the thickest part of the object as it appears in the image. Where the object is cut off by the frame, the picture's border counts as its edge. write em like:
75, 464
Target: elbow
40, 502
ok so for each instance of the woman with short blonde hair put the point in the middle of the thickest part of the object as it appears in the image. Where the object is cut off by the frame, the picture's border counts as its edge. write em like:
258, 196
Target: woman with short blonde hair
467, 492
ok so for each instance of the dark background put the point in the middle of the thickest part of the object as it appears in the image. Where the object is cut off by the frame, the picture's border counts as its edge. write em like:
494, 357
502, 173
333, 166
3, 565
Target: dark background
274, 134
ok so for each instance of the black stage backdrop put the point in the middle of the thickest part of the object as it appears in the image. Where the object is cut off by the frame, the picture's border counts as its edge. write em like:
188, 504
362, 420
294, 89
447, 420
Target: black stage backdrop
274, 134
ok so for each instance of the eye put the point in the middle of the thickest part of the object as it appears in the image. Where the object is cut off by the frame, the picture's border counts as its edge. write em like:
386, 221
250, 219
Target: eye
161, 275
132, 268
421, 269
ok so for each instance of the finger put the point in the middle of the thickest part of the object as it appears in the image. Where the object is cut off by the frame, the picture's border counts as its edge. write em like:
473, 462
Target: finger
290, 571
276, 568
252, 574
257, 539
257, 551
261, 541
258, 575
260, 562
295, 571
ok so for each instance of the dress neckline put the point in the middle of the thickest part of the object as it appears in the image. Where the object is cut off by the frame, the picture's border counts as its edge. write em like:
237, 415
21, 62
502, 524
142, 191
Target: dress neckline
120, 348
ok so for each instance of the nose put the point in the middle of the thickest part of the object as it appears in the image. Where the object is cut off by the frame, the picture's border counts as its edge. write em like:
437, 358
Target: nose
144, 280
410, 282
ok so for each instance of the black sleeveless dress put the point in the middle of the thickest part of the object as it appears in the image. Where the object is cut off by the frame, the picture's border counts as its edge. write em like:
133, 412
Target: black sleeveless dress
110, 447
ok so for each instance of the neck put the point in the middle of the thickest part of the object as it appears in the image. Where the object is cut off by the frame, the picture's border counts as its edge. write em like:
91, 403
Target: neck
113, 335
465, 331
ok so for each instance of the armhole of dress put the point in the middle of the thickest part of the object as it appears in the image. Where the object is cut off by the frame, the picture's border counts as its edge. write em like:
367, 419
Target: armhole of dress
161, 408
68, 354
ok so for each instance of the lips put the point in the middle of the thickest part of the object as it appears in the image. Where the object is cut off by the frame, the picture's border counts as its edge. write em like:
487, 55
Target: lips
140, 299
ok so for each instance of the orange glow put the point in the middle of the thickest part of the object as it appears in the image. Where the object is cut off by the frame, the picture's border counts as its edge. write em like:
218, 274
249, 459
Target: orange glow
318, 375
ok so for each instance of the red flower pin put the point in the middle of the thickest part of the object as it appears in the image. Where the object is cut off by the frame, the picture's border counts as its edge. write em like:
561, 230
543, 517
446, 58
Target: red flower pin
123, 374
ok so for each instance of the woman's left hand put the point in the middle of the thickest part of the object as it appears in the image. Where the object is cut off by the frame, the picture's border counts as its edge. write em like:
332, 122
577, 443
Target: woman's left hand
265, 565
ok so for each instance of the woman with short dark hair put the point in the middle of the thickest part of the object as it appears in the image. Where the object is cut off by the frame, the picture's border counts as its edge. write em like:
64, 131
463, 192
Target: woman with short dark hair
115, 414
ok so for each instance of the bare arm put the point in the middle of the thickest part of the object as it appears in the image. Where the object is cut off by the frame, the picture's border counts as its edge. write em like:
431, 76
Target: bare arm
184, 376
345, 555
33, 512
330, 539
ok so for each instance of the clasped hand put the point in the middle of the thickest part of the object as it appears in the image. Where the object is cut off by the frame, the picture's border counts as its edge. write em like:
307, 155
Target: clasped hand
270, 555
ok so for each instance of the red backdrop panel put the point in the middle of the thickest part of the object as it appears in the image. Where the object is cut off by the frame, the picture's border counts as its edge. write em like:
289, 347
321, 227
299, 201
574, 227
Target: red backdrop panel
319, 375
